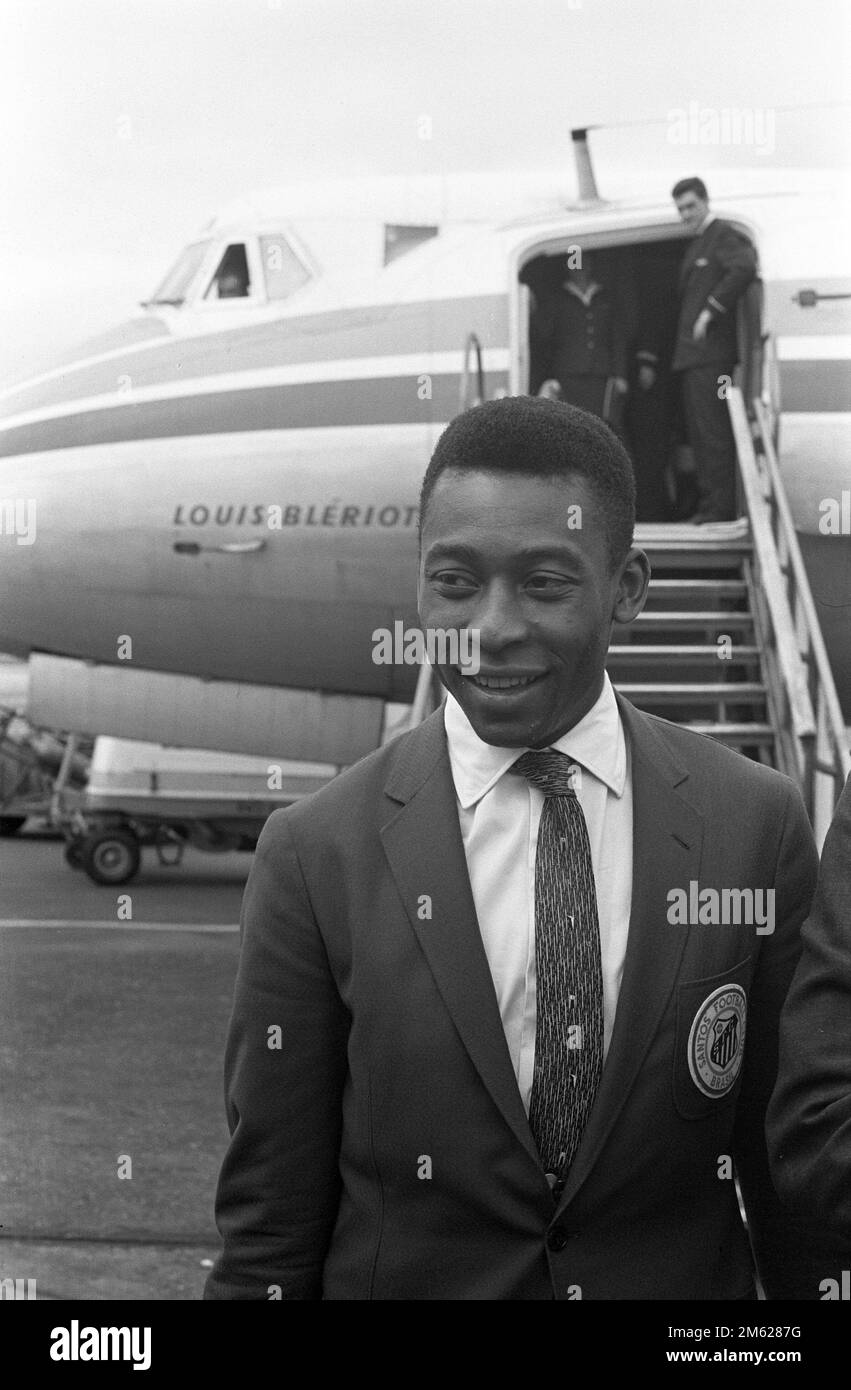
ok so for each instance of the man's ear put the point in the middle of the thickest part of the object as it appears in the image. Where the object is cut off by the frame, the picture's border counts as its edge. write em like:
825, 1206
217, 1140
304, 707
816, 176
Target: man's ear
632, 585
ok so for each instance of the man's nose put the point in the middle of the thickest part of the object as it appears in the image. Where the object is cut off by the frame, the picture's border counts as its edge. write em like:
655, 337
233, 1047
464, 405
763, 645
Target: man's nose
499, 618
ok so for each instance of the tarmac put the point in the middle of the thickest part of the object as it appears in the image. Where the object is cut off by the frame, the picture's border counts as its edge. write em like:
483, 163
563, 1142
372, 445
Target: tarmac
111, 1043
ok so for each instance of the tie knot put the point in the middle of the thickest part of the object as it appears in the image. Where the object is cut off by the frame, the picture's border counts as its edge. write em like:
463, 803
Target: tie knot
549, 770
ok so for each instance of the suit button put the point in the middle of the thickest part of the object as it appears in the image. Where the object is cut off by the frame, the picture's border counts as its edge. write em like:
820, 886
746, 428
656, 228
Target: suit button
556, 1238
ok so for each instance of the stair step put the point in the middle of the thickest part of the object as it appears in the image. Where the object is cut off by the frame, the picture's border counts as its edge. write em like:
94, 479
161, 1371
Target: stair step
741, 734
709, 617
697, 588
668, 693
686, 534
679, 651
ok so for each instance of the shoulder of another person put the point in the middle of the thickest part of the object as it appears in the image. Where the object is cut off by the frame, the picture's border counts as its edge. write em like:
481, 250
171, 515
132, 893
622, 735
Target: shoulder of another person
725, 231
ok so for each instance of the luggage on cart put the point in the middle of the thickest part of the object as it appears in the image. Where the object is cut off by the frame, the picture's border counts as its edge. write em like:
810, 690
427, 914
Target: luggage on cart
142, 794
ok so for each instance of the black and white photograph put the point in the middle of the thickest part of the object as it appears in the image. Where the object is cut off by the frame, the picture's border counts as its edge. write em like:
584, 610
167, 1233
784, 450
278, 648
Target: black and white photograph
425, 667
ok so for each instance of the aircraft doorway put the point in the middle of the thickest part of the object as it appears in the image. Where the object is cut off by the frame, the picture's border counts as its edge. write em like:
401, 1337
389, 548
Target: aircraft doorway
609, 349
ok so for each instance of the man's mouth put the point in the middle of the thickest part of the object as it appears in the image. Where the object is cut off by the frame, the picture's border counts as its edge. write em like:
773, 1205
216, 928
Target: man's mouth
517, 682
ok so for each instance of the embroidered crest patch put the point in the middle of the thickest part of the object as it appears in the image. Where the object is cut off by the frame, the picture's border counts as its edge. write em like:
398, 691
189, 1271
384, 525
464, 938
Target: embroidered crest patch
716, 1041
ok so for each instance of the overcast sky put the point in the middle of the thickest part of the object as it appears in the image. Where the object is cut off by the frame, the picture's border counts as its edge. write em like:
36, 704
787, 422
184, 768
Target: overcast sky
127, 123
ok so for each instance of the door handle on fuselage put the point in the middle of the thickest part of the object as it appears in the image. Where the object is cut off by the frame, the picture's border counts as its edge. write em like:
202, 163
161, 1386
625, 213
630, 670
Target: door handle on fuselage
229, 548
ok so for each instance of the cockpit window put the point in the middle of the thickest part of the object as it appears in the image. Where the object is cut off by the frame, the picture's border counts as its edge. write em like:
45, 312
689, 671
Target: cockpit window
399, 239
231, 280
175, 285
283, 270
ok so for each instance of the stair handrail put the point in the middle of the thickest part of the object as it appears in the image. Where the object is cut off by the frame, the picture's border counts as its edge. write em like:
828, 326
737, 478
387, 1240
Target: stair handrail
792, 689
832, 759
472, 344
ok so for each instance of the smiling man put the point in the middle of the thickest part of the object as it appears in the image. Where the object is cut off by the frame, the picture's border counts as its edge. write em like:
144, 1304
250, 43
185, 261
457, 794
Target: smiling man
471, 1056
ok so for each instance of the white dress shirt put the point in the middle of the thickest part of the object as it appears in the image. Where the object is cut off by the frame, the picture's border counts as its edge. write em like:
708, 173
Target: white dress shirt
499, 814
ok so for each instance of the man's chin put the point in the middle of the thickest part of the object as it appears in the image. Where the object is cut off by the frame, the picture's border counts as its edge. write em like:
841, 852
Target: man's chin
505, 719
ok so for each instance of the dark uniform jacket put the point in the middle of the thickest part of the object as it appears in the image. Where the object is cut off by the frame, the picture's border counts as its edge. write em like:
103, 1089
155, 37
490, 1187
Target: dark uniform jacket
575, 339
717, 267
380, 1148
810, 1116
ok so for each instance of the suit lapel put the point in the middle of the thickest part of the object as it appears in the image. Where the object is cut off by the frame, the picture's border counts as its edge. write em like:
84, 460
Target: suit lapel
666, 848
702, 245
696, 247
423, 845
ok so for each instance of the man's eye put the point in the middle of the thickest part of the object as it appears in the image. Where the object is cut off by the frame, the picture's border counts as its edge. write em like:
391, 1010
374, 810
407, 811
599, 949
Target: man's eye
452, 579
547, 583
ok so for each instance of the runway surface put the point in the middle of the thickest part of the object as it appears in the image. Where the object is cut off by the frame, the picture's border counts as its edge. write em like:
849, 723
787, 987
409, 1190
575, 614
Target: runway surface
111, 1044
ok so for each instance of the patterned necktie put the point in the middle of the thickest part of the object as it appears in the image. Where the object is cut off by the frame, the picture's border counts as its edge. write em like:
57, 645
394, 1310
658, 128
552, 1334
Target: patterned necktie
569, 1031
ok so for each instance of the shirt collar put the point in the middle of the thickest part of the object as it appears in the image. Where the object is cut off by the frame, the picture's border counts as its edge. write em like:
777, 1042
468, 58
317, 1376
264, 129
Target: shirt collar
585, 295
597, 743
710, 217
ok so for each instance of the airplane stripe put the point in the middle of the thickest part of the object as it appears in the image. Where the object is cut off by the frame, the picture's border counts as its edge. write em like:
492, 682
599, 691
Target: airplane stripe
377, 330
378, 400
813, 348
354, 369
309, 405
811, 389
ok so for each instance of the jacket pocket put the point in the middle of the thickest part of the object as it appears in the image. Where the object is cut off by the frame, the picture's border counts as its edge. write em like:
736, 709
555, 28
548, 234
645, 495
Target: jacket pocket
710, 1041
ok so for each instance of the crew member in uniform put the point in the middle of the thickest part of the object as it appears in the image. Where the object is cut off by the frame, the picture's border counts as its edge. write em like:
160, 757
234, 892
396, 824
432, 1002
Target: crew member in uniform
481, 1046
717, 268
582, 344
809, 1126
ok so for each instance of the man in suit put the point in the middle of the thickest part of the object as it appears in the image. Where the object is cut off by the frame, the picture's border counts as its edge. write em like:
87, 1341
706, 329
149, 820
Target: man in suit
809, 1120
579, 340
717, 268
485, 1044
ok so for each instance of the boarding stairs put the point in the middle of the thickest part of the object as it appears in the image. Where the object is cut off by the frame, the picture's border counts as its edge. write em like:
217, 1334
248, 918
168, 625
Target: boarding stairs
729, 642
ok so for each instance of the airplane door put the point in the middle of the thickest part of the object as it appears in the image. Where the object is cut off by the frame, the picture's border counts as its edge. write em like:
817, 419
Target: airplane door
770, 392
522, 359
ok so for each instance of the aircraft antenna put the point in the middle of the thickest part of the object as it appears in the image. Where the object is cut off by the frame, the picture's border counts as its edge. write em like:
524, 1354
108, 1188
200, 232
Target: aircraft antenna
588, 192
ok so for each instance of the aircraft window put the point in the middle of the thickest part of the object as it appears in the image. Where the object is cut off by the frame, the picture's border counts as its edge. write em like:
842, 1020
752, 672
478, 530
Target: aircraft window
176, 283
400, 239
231, 280
284, 272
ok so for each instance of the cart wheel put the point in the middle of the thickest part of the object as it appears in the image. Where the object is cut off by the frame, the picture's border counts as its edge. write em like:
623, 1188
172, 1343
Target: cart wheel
73, 854
111, 856
10, 825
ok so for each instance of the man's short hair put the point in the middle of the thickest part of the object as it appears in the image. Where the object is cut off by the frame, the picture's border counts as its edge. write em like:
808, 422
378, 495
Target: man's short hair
694, 185
542, 439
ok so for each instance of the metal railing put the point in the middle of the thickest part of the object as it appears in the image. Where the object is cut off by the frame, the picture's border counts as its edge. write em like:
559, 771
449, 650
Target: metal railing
465, 399
832, 759
811, 740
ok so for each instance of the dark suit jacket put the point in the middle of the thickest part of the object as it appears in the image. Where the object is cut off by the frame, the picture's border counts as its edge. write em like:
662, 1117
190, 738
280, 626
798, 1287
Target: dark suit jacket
575, 339
383, 1152
810, 1116
716, 269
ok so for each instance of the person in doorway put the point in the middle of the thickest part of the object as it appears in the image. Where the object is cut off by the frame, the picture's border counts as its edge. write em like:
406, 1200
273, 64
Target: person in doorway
582, 344
716, 269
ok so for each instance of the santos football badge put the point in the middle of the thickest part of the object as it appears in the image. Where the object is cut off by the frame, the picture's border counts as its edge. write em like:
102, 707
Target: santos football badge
716, 1042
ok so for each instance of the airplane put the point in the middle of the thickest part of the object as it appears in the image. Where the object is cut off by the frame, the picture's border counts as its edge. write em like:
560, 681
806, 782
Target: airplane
209, 510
